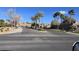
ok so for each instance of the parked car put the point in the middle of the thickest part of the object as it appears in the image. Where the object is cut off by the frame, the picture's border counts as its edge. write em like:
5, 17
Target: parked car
75, 46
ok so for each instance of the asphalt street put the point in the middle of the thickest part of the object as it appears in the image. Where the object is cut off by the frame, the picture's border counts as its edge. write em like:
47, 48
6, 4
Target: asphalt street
33, 40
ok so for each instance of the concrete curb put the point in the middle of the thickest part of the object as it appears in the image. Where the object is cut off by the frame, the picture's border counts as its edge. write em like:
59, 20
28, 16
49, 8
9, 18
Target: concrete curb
42, 31
13, 31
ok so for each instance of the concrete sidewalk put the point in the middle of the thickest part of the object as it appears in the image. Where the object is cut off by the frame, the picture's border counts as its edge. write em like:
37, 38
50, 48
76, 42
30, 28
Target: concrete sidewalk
72, 33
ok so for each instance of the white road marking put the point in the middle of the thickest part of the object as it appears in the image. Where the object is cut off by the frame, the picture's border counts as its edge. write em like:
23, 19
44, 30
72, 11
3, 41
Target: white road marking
39, 35
33, 41
32, 35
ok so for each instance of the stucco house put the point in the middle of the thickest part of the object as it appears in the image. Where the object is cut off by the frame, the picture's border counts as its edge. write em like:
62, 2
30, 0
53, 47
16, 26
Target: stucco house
24, 24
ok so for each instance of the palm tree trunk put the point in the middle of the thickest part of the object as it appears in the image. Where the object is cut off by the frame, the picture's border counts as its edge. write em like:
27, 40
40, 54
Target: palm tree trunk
59, 22
70, 17
39, 23
36, 24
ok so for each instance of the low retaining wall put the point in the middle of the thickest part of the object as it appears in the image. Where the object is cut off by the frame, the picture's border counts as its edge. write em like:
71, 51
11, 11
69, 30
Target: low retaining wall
11, 30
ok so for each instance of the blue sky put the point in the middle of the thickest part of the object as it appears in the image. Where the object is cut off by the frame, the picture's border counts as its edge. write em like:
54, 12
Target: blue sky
27, 12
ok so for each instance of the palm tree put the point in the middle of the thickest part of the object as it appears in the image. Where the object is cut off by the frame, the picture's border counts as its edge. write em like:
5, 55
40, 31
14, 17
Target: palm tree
38, 16
57, 14
71, 12
62, 16
34, 19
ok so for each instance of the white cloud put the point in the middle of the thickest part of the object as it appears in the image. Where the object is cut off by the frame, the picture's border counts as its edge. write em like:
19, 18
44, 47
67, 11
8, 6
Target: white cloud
63, 12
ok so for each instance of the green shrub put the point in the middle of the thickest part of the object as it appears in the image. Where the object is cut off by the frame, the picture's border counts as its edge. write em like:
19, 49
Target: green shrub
76, 31
34, 25
7, 29
72, 28
1, 29
55, 24
41, 29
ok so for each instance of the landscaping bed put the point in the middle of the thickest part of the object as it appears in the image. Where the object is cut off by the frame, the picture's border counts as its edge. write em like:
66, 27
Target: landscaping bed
8, 30
42, 30
77, 31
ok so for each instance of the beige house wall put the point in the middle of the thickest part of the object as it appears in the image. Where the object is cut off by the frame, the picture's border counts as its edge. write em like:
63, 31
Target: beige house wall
24, 24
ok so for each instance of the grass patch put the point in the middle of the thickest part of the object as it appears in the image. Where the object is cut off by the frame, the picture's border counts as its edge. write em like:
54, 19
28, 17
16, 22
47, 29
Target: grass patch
56, 30
41, 30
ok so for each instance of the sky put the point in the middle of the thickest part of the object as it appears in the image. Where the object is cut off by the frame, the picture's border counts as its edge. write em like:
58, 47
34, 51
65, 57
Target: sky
27, 12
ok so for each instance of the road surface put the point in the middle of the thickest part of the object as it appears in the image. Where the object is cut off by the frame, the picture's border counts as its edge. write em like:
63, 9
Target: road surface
32, 40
